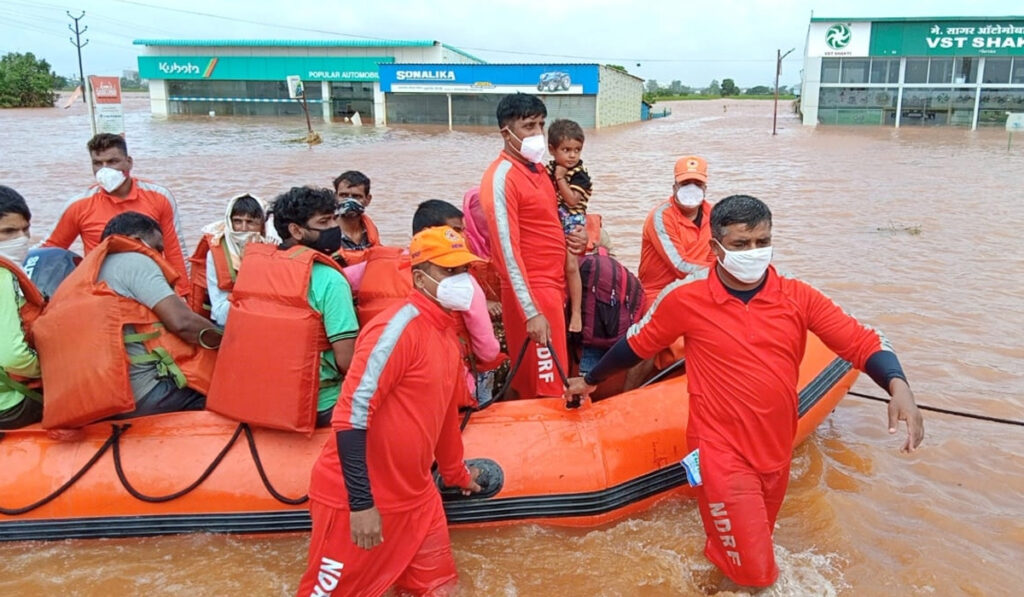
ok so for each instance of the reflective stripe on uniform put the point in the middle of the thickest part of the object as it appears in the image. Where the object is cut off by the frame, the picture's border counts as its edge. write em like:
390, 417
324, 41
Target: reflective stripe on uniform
149, 186
515, 275
670, 249
636, 327
375, 364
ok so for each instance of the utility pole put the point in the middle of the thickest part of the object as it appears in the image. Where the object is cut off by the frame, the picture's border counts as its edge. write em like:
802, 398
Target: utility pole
778, 71
78, 43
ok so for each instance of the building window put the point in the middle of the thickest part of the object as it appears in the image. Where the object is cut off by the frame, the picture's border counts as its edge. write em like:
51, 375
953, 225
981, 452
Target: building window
997, 70
965, 70
995, 103
940, 70
829, 70
917, 70
937, 106
854, 71
885, 70
1018, 70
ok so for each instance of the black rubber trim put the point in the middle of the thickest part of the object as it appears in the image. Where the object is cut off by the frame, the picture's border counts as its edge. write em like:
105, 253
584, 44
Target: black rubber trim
821, 385
479, 510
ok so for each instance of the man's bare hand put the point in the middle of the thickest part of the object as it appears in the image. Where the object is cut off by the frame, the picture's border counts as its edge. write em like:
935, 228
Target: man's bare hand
366, 530
473, 486
903, 408
538, 329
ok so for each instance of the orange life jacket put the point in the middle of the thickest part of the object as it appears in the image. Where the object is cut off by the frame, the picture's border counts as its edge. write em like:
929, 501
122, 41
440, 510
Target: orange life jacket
269, 370
81, 342
354, 256
199, 298
387, 280
29, 312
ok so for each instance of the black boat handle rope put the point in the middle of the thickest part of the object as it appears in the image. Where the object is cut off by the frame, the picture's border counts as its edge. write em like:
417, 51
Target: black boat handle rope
171, 496
74, 478
575, 400
114, 442
504, 388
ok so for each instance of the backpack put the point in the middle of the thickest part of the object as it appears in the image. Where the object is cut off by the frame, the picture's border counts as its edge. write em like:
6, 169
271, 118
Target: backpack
613, 299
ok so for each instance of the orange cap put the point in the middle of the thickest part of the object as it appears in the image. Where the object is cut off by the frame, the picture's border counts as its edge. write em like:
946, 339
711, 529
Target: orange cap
442, 246
692, 167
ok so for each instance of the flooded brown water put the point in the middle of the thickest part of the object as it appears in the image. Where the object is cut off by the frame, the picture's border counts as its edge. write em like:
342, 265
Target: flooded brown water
915, 231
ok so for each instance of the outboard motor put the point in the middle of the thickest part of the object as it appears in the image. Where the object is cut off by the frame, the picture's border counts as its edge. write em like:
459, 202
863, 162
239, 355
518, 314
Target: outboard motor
47, 267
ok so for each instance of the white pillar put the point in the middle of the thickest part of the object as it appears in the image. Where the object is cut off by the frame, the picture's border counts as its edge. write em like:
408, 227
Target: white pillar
158, 102
899, 91
449, 111
810, 91
380, 115
326, 107
977, 93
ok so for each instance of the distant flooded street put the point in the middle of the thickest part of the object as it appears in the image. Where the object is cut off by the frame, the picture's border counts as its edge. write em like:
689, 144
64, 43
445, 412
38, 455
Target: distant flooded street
913, 230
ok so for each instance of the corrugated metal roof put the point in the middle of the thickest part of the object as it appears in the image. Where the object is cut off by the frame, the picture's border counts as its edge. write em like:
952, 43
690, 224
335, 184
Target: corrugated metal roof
913, 19
321, 43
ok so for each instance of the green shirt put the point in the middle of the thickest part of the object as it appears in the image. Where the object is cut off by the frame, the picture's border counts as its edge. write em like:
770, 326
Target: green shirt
15, 354
331, 296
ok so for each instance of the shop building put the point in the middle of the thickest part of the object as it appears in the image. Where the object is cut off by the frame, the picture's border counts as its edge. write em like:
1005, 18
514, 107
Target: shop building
386, 82
939, 71
247, 77
593, 95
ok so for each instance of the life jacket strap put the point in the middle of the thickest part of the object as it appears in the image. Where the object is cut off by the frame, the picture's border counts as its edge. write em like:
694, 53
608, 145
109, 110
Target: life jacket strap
8, 383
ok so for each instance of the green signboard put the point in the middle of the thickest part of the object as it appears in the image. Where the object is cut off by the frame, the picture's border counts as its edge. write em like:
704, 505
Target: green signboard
948, 38
261, 68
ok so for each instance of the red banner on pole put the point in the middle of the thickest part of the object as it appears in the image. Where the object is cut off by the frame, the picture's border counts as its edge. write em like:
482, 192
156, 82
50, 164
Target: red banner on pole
106, 93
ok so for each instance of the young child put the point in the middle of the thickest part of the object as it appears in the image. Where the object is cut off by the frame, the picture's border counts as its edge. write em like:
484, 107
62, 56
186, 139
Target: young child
573, 187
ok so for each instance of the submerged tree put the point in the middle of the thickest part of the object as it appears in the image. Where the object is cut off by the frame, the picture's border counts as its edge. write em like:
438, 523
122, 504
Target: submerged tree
26, 82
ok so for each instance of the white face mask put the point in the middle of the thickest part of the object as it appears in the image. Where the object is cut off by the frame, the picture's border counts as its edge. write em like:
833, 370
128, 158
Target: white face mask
746, 266
689, 195
455, 292
240, 239
110, 179
15, 249
531, 148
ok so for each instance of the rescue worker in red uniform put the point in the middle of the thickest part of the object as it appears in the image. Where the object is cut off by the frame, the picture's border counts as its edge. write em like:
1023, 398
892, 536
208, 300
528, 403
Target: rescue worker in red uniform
528, 247
675, 244
745, 327
116, 191
377, 516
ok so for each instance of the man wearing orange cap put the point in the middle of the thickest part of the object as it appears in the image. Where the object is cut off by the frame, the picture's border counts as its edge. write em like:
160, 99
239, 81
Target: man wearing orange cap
677, 232
396, 415
675, 245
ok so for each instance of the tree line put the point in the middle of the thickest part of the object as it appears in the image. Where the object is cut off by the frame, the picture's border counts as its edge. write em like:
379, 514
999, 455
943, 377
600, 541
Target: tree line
28, 82
654, 90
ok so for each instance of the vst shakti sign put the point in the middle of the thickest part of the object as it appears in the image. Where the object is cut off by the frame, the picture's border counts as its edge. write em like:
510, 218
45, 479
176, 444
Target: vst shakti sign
948, 38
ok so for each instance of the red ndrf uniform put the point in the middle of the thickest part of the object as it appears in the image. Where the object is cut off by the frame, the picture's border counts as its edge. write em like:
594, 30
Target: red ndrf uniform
528, 251
401, 388
87, 215
742, 363
673, 247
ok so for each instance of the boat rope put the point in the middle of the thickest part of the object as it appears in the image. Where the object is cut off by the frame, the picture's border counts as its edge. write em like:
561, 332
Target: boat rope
504, 388
263, 473
157, 499
575, 400
74, 478
946, 411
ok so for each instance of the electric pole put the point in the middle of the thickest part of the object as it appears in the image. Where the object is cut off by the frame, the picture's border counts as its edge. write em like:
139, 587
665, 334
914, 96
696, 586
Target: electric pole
778, 71
78, 43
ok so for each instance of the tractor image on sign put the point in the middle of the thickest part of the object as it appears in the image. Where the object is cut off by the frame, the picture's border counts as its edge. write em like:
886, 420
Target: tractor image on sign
554, 81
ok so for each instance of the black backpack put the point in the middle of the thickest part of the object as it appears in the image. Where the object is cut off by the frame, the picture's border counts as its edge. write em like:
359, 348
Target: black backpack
613, 299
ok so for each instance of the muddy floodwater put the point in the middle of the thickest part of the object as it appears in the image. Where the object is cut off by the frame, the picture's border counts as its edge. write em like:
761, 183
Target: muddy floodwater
916, 231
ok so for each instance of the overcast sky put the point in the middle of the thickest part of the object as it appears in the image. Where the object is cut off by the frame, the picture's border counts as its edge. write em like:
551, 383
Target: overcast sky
692, 41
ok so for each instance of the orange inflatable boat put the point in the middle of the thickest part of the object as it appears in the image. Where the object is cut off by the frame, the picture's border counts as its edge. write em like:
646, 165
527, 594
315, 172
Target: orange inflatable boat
200, 472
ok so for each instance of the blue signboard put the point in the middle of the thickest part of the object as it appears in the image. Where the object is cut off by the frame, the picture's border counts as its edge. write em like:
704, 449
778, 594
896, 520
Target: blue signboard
561, 79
